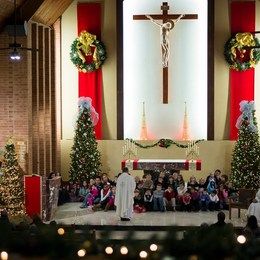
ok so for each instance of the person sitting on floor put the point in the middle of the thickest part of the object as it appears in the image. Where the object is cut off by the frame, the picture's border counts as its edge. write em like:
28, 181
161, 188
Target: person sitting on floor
161, 181
175, 182
111, 202
104, 197
202, 184
148, 200
180, 180
192, 183
223, 197
181, 191
158, 198
204, 199
138, 202
214, 201
212, 186
73, 193
169, 198
195, 197
83, 191
148, 183
105, 179
186, 199
91, 196
138, 181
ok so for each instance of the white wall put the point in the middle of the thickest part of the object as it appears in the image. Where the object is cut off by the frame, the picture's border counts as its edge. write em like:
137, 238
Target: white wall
69, 74
187, 71
214, 155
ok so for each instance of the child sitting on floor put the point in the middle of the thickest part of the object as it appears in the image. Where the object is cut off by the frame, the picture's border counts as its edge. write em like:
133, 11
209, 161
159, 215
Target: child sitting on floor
214, 201
148, 200
158, 198
169, 198
138, 202
204, 199
104, 197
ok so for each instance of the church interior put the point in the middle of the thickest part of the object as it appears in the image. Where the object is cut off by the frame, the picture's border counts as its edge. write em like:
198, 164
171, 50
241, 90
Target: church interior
168, 90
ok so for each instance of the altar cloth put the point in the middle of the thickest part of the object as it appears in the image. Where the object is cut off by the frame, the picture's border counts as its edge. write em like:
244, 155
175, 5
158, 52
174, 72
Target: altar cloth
162, 164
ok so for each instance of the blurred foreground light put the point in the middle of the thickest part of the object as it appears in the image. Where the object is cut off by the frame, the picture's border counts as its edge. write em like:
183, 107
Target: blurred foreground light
109, 250
123, 250
61, 231
143, 254
153, 247
241, 239
4, 255
81, 252
87, 244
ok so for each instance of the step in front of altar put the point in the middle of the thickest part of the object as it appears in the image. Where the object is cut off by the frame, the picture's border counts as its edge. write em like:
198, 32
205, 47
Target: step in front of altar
162, 164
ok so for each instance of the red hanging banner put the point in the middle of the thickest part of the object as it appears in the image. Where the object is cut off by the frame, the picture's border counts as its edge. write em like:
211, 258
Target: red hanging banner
241, 82
90, 83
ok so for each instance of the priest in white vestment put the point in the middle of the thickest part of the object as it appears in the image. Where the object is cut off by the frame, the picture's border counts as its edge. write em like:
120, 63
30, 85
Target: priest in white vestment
254, 208
124, 198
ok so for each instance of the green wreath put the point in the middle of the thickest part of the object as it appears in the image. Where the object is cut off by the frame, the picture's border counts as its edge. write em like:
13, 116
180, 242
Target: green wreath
87, 45
236, 46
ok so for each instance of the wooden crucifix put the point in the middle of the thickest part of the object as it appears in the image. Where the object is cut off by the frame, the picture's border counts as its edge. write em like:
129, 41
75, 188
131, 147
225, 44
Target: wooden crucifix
169, 21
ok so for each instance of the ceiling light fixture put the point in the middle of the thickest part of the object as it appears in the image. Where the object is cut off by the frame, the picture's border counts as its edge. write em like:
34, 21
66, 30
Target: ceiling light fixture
15, 55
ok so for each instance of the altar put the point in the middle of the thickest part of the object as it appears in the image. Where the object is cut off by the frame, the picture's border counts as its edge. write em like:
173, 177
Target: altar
162, 164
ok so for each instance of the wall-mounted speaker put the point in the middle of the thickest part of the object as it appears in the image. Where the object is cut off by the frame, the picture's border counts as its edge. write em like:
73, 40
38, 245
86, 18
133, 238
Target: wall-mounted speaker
21, 29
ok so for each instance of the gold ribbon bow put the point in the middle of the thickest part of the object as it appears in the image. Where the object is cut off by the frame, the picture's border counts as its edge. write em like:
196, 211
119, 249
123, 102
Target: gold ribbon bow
242, 40
85, 42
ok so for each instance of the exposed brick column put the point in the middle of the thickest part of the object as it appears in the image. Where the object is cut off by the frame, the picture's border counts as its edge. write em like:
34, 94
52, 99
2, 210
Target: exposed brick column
56, 93
43, 105
43, 101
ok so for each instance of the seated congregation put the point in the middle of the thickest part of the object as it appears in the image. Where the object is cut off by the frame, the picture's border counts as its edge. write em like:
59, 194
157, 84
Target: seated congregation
155, 191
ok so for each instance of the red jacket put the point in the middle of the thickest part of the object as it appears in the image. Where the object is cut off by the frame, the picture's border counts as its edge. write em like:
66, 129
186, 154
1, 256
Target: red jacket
169, 195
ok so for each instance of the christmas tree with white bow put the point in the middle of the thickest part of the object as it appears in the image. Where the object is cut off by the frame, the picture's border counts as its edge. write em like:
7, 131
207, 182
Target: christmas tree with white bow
85, 156
245, 165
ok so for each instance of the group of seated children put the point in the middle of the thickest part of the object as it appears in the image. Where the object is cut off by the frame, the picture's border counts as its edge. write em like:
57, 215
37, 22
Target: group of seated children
159, 191
98, 193
168, 191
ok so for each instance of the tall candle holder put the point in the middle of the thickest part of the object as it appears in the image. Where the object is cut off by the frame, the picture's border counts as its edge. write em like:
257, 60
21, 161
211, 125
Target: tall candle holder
192, 151
129, 149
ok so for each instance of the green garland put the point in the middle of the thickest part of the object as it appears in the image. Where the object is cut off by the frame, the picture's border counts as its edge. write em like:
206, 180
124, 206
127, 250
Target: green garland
83, 46
165, 143
238, 43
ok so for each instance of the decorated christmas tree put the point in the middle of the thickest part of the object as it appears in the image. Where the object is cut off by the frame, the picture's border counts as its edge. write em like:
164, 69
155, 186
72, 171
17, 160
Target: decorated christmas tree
245, 168
85, 157
11, 186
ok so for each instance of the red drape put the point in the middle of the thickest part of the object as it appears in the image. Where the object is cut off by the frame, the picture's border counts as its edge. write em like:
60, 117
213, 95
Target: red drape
241, 82
33, 194
90, 84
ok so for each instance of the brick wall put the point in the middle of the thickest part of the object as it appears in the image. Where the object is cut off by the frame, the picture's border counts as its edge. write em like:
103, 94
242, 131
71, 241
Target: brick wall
28, 99
14, 88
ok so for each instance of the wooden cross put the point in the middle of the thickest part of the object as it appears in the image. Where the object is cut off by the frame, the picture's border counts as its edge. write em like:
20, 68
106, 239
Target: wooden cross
164, 17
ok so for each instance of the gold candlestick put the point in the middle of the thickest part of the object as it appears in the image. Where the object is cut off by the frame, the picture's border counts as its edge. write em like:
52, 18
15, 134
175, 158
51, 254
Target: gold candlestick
129, 149
192, 151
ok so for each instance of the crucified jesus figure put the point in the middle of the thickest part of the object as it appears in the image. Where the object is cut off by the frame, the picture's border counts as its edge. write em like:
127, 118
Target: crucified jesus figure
164, 37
